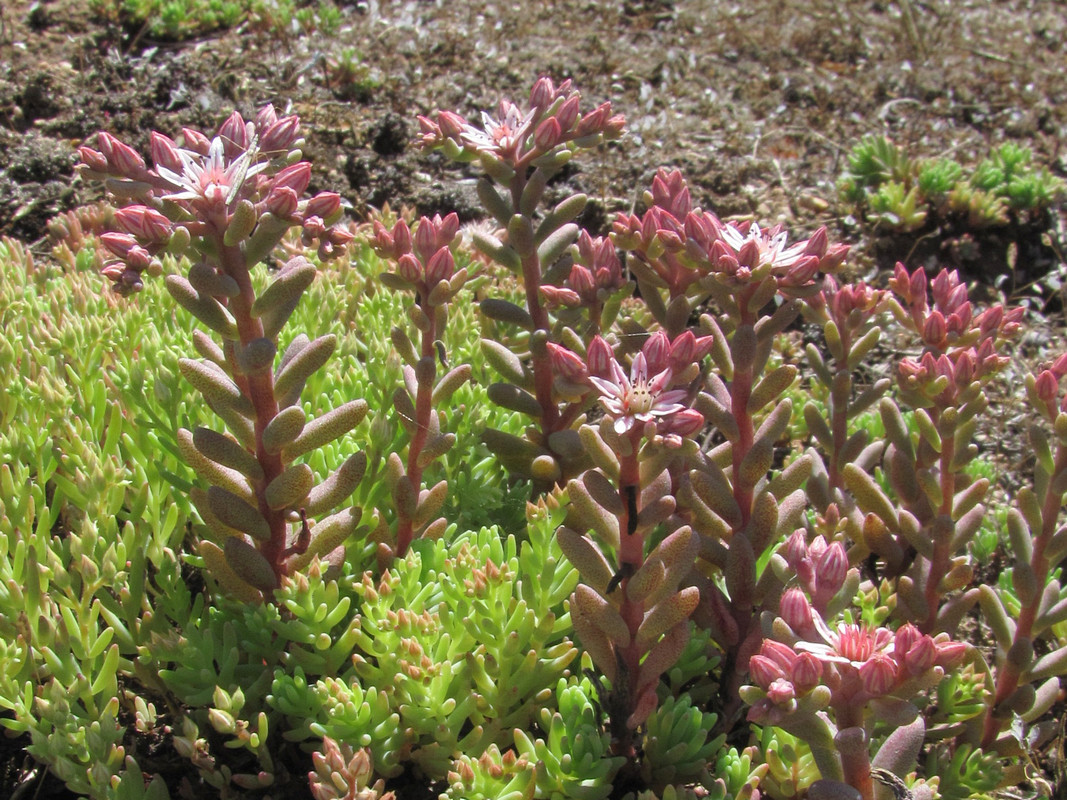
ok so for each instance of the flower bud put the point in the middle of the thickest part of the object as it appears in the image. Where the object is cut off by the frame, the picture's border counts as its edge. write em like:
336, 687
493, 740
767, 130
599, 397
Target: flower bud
441, 267
921, 656
93, 159
568, 112
147, 224
123, 158
295, 177
782, 654
326, 205
164, 152
795, 609
764, 671
451, 124
600, 358
543, 94
234, 135
566, 363
426, 239
409, 268
685, 422
118, 243
935, 329
1047, 387
878, 675
781, 692
831, 569
266, 116
657, 350
282, 202
281, 135
807, 672
196, 141
547, 135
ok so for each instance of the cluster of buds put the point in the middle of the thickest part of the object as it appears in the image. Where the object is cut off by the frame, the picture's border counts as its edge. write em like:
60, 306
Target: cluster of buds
246, 184
593, 282
857, 663
1044, 389
679, 246
515, 135
820, 568
960, 347
831, 687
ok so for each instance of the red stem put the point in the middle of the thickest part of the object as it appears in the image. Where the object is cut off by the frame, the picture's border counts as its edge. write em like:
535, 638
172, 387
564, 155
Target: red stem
1009, 674
259, 389
423, 408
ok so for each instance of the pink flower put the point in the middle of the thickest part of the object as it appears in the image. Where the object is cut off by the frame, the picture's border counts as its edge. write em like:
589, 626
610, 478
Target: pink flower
637, 397
211, 178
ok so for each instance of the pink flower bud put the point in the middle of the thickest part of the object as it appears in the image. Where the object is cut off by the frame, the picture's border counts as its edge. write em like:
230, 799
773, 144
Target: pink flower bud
684, 422
138, 259
440, 267
312, 228
905, 638
795, 609
657, 350
325, 204
196, 141
425, 238
547, 135
781, 692
831, 569
409, 268
950, 654
566, 363
764, 671
123, 158
594, 121
93, 159
749, 254
817, 244
568, 112
542, 94
600, 358
296, 177
921, 656
795, 548
878, 675
282, 202
447, 229
280, 136
118, 243
452, 125
557, 296
234, 135
164, 152
401, 238
266, 117
807, 672
1047, 387
581, 281
935, 329
147, 224
782, 654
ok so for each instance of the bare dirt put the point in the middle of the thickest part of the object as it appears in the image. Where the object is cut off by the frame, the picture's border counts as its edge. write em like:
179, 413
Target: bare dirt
757, 102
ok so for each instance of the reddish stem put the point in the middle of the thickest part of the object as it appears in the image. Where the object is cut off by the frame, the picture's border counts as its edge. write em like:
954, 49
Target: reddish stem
423, 408
1009, 674
259, 389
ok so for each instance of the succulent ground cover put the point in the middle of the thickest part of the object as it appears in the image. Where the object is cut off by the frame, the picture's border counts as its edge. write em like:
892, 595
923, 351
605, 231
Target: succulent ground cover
591, 498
